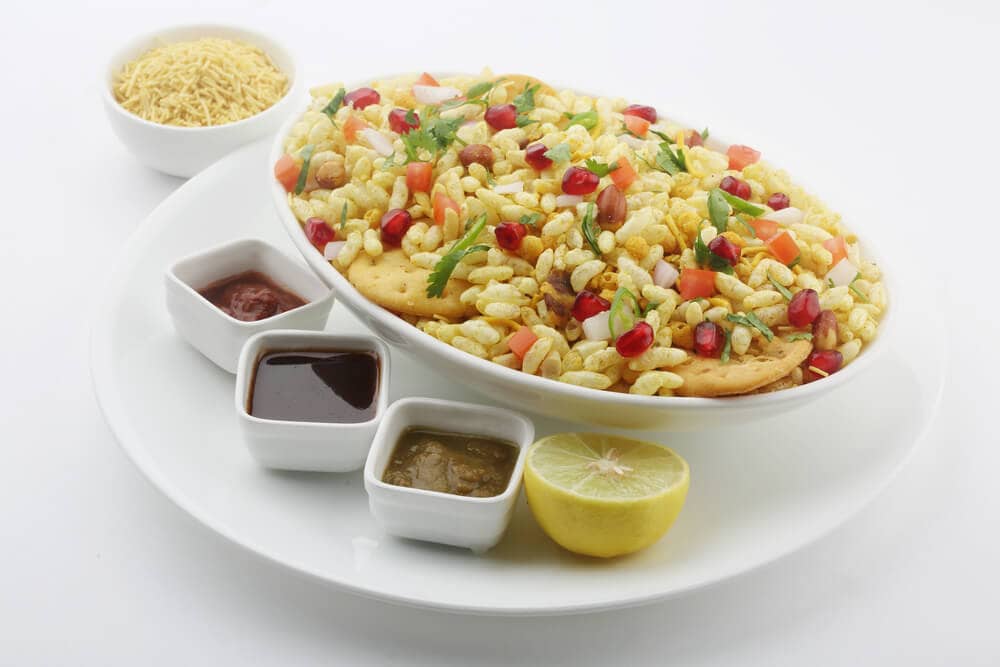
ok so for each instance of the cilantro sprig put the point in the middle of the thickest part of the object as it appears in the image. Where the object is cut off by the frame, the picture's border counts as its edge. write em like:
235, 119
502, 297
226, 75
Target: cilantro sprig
599, 168
438, 279
589, 231
524, 102
434, 135
530, 219
751, 320
559, 153
706, 257
587, 119
307, 153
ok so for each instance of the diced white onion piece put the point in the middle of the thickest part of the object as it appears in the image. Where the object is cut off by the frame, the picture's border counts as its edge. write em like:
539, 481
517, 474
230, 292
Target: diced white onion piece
435, 94
568, 200
635, 142
332, 249
596, 326
378, 141
664, 274
509, 188
786, 216
843, 273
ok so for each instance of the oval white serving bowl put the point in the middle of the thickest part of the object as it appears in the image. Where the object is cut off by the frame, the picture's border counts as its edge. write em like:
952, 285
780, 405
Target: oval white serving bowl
551, 397
184, 151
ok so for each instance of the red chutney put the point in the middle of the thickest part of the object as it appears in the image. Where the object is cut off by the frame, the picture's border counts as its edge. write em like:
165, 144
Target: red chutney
251, 296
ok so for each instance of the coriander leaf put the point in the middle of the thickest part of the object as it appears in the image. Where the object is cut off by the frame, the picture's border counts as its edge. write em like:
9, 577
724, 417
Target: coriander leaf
701, 251
588, 119
799, 335
559, 153
343, 216
523, 120
718, 210
617, 303
335, 104
742, 205
587, 225
444, 130
438, 279
669, 161
753, 322
782, 290
599, 168
525, 101
411, 117
531, 219
704, 134
706, 257
479, 89
662, 135
307, 153
727, 347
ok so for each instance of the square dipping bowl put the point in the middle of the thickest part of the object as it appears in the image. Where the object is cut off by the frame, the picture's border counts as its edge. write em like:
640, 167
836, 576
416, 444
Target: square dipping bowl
219, 336
432, 516
305, 445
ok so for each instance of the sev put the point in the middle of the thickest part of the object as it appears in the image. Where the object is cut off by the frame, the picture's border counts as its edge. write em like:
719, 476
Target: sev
209, 81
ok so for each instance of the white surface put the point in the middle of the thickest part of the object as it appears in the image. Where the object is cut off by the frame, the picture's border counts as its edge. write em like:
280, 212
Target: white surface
99, 568
562, 400
795, 482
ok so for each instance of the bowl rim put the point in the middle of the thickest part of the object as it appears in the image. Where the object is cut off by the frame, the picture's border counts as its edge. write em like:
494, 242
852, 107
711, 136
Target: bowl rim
425, 345
268, 44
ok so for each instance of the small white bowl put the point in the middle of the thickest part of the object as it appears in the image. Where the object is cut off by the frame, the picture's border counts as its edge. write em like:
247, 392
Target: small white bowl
461, 521
219, 336
184, 151
312, 446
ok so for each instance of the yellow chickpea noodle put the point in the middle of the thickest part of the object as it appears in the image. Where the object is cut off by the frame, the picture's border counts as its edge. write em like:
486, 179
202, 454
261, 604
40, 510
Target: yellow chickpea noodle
593, 251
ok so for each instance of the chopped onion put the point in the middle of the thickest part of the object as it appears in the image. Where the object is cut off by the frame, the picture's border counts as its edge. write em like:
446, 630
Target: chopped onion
664, 274
435, 94
843, 273
378, 141
332, 249
635, 142
786, 216
509, 188
568, 200
596, 326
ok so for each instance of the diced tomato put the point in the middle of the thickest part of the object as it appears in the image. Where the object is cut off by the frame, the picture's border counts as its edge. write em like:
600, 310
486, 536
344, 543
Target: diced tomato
741, 156
287, 172
427, 80
697, 283
783, 247
837, 247
441, 204
522, 341
352, 126
418, 176
636, 125
764, 229
623, 175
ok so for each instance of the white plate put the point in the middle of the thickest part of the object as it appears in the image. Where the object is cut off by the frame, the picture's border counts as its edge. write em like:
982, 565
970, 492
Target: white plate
757, 492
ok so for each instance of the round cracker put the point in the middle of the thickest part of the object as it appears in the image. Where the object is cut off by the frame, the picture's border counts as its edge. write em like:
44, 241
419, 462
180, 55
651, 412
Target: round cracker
741, 375
396, 284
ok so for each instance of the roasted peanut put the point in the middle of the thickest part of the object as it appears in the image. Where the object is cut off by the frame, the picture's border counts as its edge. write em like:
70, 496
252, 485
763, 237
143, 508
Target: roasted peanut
331, 174
611, 207
478, 153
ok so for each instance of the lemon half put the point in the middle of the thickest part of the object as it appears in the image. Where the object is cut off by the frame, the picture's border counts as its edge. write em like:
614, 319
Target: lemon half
604, 495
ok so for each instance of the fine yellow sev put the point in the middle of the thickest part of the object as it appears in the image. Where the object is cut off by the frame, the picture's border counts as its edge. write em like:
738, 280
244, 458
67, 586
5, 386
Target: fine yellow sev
209, 81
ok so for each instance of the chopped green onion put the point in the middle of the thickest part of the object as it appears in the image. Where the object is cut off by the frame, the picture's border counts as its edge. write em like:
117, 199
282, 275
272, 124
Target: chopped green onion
742, 205
343, 216
616, 309
798, 335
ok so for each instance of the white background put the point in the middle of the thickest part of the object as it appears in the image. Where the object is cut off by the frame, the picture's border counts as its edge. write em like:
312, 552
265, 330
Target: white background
890, 109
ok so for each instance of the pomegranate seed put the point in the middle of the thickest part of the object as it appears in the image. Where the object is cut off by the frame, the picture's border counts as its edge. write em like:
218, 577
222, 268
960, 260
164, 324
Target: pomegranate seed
726, 249
828, 361
579, 181
502, 116
640, 110
778, 201
803, 309
399, 124
825, 331
394, 225
736, 187
535, 156
694, 138
362, 97
588, 304
709, 339
635, 341
509, 235
318, 232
